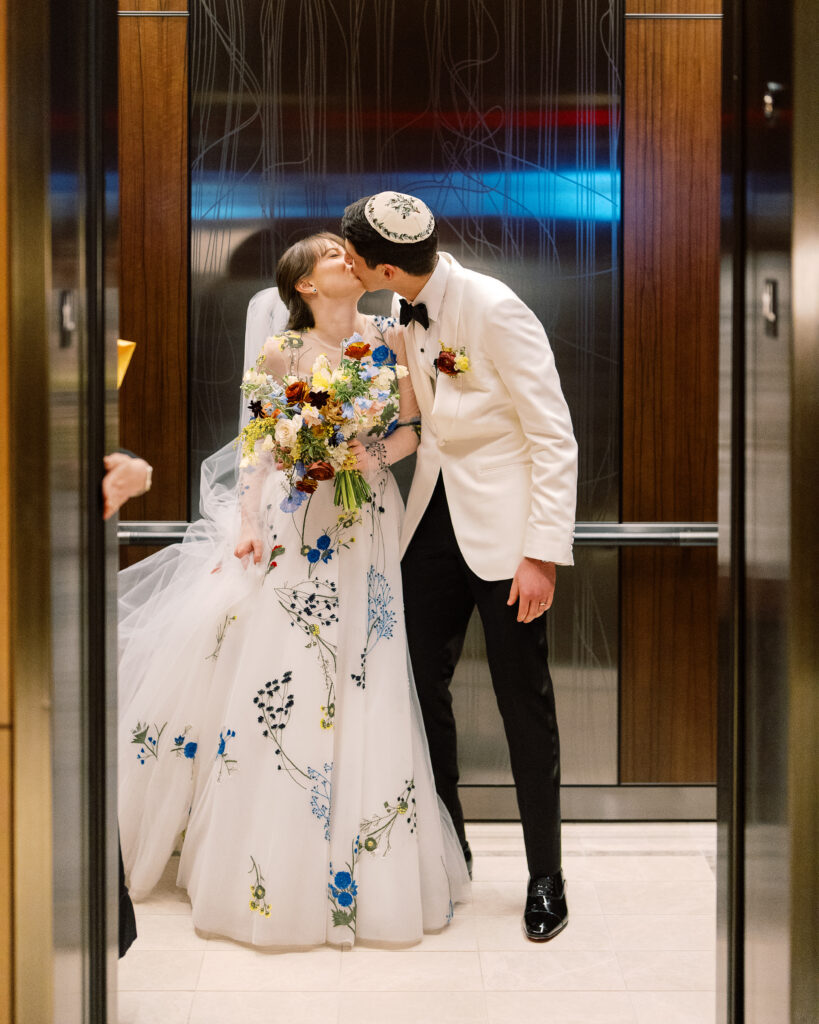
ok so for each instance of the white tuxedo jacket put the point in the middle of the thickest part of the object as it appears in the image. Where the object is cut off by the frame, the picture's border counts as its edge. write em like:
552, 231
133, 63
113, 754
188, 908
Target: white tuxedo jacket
500, 433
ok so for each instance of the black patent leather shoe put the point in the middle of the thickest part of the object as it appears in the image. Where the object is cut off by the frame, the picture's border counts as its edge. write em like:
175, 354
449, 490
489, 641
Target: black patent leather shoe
467, 858
546, 913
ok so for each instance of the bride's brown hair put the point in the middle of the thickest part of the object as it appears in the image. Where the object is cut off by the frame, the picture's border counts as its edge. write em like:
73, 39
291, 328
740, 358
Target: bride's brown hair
296, 263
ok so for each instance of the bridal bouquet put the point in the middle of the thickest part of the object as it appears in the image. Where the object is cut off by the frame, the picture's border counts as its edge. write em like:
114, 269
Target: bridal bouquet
307, 424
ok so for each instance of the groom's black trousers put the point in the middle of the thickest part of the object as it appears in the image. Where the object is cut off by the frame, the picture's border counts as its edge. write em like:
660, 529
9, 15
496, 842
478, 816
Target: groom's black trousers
440, 592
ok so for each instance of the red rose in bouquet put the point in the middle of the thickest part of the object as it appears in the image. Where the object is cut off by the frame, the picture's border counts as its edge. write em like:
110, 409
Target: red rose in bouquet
296, 392
320, 471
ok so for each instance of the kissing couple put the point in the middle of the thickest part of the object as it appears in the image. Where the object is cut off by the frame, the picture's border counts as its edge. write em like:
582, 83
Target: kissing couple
285, 673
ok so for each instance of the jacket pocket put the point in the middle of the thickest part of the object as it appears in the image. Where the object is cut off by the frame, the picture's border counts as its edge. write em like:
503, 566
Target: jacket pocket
498, 466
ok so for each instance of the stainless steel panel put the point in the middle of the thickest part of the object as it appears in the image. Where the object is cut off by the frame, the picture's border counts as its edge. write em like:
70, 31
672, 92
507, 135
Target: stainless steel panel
505, 117
755, 827
600, 803
582, 632
82, 331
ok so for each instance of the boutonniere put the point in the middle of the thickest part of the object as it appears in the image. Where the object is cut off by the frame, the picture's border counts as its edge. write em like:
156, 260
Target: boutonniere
451, 361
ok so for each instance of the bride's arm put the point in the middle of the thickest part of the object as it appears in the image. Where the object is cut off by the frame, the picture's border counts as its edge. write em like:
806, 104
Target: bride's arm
404, 439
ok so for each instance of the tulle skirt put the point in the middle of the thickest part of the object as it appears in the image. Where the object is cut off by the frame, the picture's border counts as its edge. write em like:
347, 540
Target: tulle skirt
268, 713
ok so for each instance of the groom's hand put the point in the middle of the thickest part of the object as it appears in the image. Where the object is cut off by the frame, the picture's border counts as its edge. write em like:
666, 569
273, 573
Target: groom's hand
533, 587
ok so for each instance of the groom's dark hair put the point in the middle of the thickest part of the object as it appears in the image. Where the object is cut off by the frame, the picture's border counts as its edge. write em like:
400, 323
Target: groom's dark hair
412, 257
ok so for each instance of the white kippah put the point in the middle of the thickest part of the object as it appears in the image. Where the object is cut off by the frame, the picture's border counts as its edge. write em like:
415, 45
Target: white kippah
399, 218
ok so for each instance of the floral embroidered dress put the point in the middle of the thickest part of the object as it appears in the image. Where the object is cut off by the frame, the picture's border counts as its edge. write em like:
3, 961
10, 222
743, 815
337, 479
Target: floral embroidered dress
268, 711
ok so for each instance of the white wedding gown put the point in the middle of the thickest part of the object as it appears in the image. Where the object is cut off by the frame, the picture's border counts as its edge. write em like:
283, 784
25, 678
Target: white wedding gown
268, 712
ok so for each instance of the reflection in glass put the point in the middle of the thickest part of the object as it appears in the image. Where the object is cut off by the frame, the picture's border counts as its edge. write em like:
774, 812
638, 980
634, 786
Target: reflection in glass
504, 117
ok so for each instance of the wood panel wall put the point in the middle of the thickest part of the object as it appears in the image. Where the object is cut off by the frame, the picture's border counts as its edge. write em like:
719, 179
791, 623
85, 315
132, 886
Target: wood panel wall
670, 389
153, 154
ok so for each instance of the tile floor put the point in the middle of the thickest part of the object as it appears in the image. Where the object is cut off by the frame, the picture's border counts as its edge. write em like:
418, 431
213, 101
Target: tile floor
639, 948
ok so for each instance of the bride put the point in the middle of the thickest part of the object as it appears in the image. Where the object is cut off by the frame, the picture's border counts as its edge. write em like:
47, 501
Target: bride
266, 706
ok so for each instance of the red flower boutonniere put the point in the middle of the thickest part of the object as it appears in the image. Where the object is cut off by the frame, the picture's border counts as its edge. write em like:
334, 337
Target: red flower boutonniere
451, 361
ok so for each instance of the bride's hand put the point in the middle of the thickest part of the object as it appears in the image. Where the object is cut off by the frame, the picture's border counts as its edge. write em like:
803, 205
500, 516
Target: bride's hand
249, 544
364, 459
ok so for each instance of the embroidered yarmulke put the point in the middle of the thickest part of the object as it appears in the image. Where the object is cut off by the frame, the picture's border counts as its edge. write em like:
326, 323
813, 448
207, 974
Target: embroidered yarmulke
399, 218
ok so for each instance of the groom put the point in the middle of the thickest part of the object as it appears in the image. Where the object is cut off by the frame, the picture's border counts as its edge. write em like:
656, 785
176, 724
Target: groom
489, 514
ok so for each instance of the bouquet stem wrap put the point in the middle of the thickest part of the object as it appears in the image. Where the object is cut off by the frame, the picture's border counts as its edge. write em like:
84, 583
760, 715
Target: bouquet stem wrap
352, 490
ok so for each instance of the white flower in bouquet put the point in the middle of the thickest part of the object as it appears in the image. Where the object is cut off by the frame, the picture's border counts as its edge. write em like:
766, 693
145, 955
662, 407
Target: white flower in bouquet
286, 432
311, 415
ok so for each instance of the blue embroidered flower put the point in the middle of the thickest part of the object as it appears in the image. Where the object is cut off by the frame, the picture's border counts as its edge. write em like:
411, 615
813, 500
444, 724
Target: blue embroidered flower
345, 899
343, 880
221, 748
179, 740
190, 750
313, 555
384, 356
293, 501
323, 542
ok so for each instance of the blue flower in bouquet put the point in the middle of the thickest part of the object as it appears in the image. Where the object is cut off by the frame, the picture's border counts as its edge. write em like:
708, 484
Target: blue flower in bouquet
369, 370
348, 410
293, 501
298, 469
337, 438
384, 356
364, 404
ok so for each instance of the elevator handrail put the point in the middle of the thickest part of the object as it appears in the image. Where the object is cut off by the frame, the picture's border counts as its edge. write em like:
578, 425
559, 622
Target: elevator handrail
604, 534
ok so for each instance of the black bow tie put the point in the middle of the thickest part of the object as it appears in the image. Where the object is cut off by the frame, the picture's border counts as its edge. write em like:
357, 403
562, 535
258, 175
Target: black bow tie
409, 313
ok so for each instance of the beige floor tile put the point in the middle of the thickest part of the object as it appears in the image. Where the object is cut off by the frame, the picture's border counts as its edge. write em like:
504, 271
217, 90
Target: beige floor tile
682, 970
551, 970
663, 932
459, 936
618, 898
168, 931
412, 1008
490, 899
383, 970
250, 970
618, 868
168, 1007
489, 868
264, 1008
560, 1008
585, 932
674, 1007
154, 970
